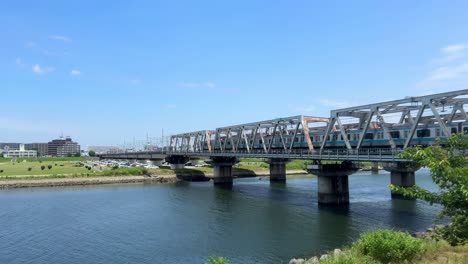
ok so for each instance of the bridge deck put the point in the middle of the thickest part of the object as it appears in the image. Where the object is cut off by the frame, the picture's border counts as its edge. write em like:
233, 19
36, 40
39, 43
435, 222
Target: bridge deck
338, 154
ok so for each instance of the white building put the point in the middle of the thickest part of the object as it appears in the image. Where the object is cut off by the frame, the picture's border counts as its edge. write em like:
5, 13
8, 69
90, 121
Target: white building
20, 153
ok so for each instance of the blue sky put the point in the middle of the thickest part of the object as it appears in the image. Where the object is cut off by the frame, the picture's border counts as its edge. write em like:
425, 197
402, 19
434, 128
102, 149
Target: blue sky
107, 71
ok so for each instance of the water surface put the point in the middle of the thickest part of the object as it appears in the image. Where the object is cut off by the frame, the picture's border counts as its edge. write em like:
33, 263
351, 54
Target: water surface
254, 222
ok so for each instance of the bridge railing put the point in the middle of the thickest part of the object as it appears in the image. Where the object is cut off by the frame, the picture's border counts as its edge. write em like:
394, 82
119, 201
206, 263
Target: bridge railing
319, 154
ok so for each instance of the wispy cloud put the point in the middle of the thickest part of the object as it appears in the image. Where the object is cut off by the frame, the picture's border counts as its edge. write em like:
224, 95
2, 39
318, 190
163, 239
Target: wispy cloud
451, 70
336, 104
20, 62
60, 38
209, 85
38, 69
75, 72
448, 72
451, 53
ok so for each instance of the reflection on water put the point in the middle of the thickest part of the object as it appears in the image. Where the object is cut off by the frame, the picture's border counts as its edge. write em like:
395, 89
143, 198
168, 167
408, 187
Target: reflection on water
254, 221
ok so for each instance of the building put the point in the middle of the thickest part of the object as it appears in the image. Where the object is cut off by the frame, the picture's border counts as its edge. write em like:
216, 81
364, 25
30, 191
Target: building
41, 148
62, 147
8, 146
105, 149
20, 153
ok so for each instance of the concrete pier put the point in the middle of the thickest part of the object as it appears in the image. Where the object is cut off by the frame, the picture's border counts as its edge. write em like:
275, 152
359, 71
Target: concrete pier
402, 174
277, 169
177, 162
375, 167
333, 187
222, 169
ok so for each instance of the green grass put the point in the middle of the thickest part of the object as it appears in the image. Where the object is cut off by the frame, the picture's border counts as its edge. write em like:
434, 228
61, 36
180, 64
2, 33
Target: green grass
18, 169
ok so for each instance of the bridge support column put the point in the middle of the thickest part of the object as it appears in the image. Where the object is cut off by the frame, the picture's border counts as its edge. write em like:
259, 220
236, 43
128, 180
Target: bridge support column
333, 188
277, 169
222, 169
375, 167
401, 174
177, 162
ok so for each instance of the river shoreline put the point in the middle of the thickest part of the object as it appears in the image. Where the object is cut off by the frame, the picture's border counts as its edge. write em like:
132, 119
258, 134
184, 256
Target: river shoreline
122, 179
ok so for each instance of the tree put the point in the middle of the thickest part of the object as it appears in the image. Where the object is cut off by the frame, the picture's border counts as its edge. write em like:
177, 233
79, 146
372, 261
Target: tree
42, 167
49, 166
449, 170
91, 153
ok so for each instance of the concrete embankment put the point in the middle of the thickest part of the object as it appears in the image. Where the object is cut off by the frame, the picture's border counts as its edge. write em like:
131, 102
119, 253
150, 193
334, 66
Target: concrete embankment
169, 178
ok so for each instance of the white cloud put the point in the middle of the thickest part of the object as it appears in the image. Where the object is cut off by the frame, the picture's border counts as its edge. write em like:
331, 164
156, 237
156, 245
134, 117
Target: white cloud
42, 70
448, 72
75, 72
209, 85
451, 70
60, 38
453, 48
451, 53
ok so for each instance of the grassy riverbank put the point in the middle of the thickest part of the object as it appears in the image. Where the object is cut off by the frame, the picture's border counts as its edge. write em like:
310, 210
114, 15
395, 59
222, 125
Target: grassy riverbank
69, 167
386, 246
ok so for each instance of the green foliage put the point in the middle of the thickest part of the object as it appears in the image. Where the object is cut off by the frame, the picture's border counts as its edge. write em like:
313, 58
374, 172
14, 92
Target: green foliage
449, 170
49, 166
42, 167
389, 246
217, 260
1, 171
29, 169
92, 153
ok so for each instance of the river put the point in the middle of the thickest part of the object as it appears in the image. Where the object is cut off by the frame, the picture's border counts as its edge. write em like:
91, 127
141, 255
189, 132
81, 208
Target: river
254, 222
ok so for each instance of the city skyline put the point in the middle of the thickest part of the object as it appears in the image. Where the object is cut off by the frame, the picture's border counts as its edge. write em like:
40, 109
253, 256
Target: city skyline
124, 70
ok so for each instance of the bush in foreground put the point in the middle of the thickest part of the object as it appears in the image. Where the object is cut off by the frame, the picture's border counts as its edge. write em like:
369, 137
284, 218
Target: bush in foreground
217, 260
389, 246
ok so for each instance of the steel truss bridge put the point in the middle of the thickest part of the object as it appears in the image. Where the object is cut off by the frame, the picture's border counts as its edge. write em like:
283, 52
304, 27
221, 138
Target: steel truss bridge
375, 132
342, 136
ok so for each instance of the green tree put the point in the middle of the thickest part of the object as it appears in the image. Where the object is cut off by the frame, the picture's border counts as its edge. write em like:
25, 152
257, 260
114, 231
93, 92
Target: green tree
42, 167
49, 166
91, 153
449, 170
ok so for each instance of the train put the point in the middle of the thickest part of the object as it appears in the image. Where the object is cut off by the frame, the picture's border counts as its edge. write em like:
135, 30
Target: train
374, 138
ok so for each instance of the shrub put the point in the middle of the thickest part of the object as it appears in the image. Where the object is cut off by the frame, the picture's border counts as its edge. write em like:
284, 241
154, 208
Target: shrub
29, 169
217, 260
389, 246
49, 166
89, 168
42, 167
1, 171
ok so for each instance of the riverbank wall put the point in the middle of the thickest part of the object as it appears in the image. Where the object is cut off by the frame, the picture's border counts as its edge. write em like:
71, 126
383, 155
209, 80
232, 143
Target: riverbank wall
124, 179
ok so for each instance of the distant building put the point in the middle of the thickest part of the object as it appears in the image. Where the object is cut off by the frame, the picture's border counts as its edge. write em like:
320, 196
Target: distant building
105, 149
41, 148
62, 147
20, 153
8, 146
